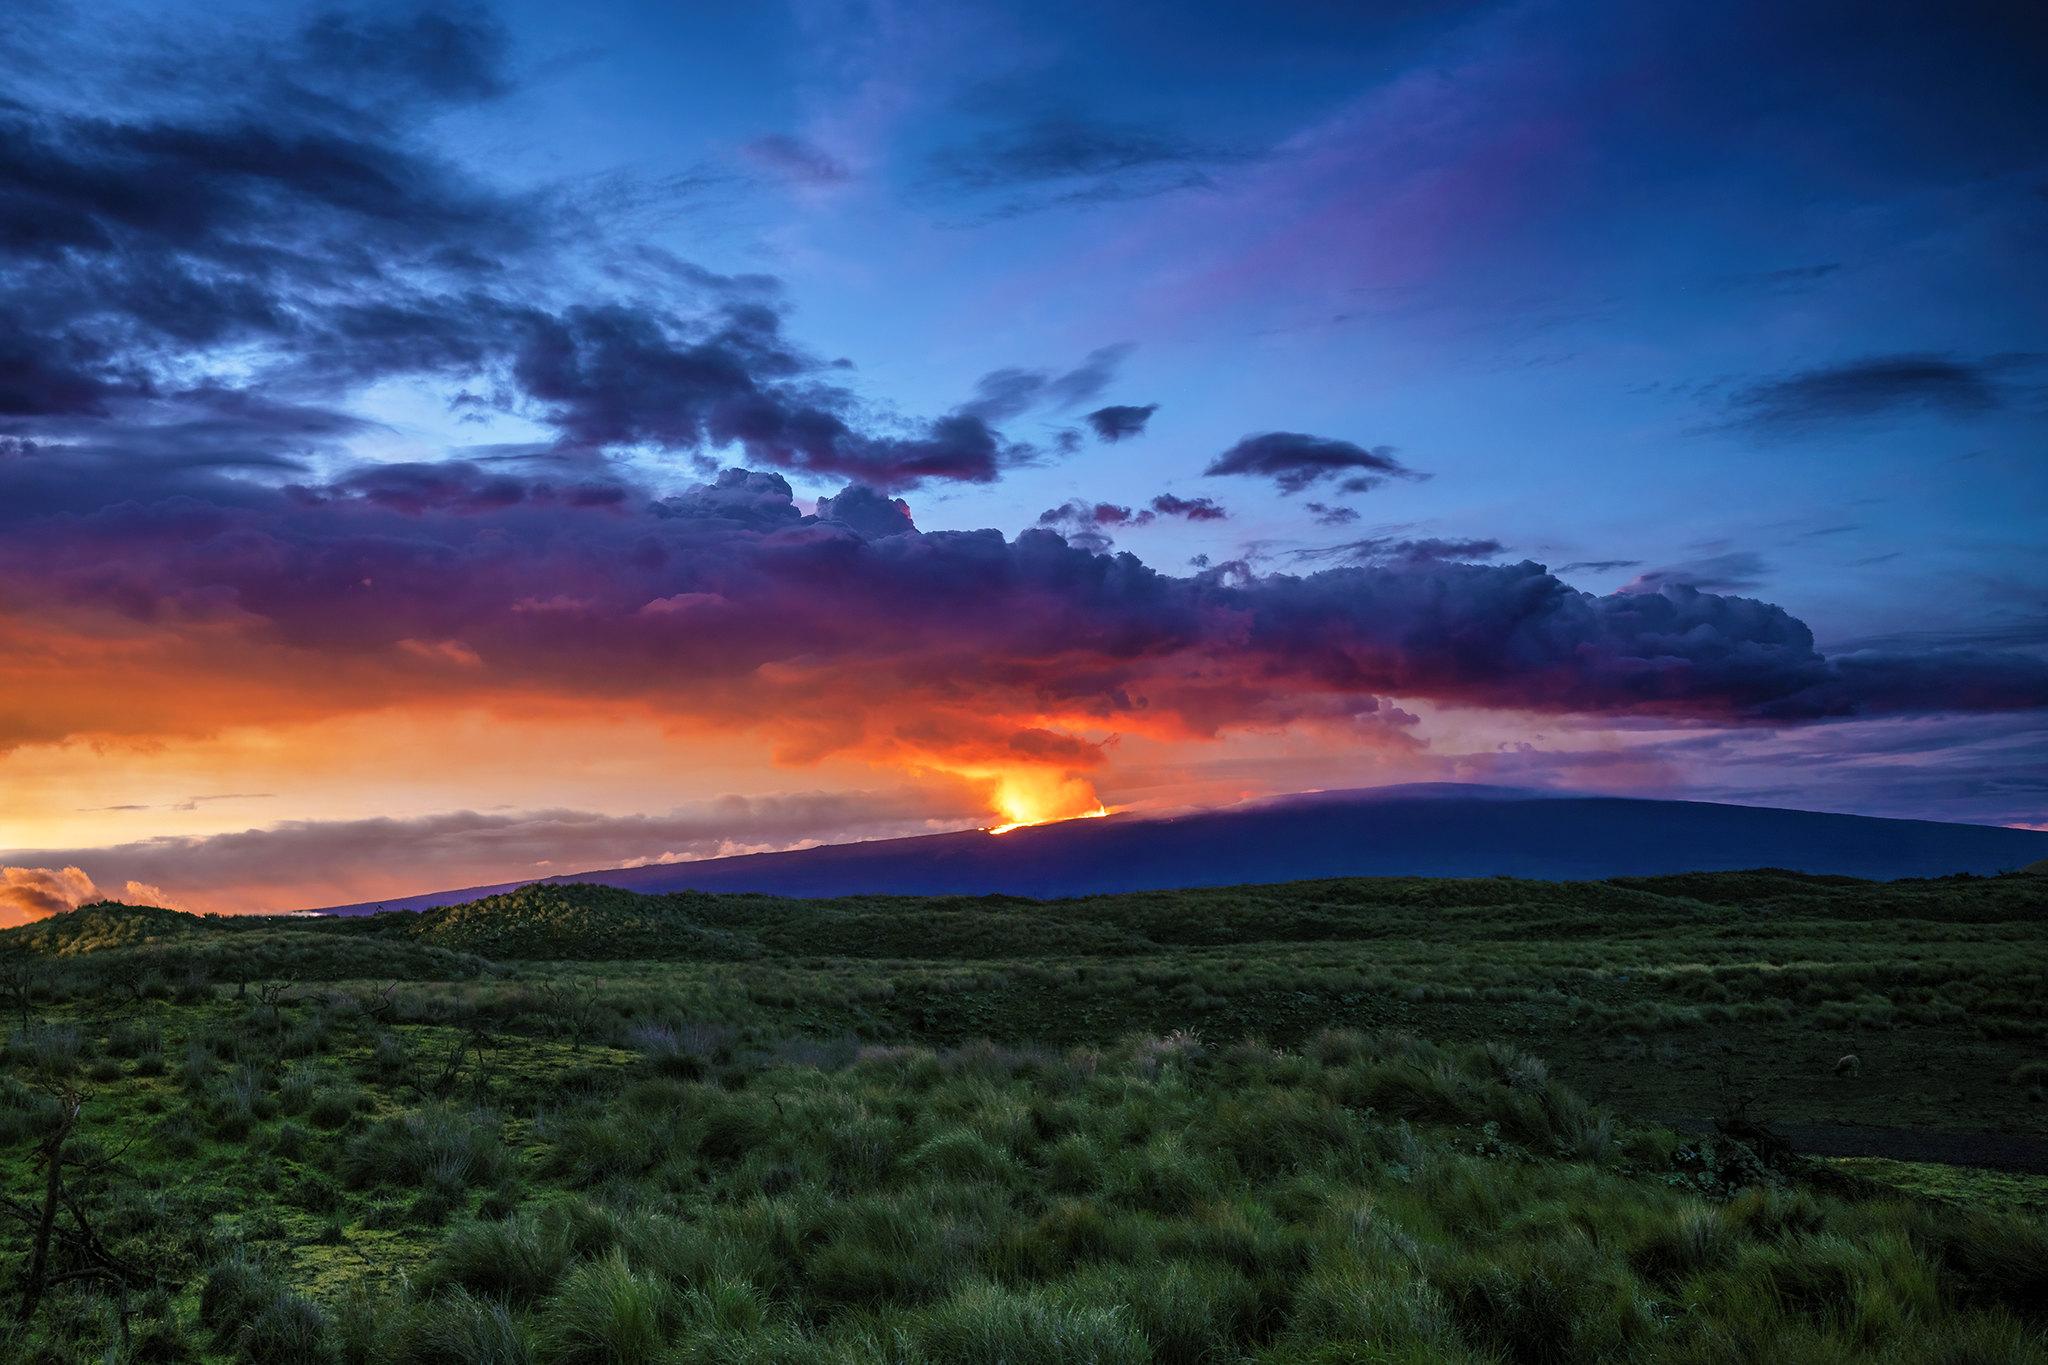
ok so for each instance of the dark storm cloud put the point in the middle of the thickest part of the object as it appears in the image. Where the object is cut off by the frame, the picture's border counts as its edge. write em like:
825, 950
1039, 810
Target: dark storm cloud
1874, 387
731, 608
458, 486
866, 513
1118, 420
1295, 461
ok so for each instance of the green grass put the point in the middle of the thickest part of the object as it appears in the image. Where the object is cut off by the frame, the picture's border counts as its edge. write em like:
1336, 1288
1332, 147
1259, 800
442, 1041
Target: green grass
1333, 1122
1960, 1185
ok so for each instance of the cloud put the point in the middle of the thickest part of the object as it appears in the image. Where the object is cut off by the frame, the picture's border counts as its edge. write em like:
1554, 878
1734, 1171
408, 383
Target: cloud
1055, 160
1003, 394
1194, 509
1296, 461
1874, 387
1734, 571
1328, 515
296, 864
1117, 421
850, 631
1786, 279
866, 513
33, 893
1399, 550
215, 282
1061, 149
1086, 524
1600, 565
455, 53
797, 161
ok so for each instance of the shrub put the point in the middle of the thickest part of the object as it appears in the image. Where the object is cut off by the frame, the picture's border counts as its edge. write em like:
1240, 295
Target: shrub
234, 1289
442, 1148
519, 1260
132, 1038
288, 1329
460, 1328
1187, 1311
605, 1314
333, 1106
986, 1322
1074, 1165
1391, 1315
589, 1148
1697, 1238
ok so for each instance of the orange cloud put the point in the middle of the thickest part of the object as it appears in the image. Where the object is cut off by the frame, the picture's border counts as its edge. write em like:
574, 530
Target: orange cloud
33, 893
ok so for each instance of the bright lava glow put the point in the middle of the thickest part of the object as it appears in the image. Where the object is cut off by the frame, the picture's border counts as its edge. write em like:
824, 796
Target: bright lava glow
1095, 814
1038, 796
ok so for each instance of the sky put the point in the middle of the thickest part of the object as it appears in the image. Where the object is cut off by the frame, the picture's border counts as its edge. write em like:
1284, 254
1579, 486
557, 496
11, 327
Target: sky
444, 445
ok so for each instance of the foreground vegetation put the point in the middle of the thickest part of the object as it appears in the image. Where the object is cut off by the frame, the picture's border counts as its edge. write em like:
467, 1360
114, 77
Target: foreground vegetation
572, 1124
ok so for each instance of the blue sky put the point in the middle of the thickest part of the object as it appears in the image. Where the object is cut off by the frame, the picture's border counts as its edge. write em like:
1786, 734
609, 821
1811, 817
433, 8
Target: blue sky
1544, 248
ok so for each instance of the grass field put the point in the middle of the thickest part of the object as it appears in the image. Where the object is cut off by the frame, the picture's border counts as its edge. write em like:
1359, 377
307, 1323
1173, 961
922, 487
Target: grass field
1332, 1121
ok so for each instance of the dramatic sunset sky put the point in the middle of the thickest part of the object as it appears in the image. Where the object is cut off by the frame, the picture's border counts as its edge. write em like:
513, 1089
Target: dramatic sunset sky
449, 445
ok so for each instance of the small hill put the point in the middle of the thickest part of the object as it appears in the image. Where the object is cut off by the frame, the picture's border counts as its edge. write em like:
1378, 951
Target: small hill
171, 945
579, 923
96, 928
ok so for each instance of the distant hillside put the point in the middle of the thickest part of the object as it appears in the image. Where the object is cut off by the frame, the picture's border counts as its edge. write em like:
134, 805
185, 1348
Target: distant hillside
1431, 831
589, 922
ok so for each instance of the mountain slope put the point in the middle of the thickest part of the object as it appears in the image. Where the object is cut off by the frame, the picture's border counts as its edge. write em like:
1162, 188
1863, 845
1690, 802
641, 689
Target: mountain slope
1434, 831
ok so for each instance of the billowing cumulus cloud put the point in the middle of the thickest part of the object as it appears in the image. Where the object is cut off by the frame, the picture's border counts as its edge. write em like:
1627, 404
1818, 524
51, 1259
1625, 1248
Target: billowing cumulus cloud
32, 893
55, 885
1296, 461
